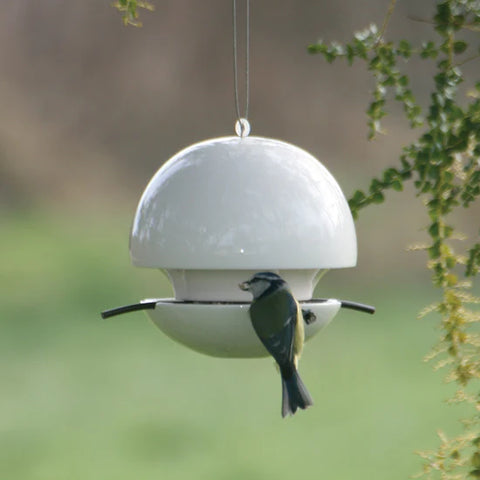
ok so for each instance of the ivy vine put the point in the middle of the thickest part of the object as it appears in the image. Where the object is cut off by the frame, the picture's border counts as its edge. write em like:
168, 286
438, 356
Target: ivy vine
129, 10
444, 165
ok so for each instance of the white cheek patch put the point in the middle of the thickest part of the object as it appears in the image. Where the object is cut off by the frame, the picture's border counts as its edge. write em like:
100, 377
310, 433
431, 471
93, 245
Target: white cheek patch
258, 287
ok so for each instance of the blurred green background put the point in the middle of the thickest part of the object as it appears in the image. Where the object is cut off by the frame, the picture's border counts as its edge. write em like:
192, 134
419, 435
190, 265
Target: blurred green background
90, 110
115, 399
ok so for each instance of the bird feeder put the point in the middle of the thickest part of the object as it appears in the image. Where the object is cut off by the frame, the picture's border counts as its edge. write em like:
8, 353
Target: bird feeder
225, 208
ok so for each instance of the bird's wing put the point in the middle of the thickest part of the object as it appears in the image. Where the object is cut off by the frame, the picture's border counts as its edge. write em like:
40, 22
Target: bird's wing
274, 321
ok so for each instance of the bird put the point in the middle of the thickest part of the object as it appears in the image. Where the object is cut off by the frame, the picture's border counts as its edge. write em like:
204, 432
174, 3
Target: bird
277, 319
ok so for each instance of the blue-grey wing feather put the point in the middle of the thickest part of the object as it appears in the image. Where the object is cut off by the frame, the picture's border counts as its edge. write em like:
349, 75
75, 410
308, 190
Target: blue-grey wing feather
280, 345
281, 313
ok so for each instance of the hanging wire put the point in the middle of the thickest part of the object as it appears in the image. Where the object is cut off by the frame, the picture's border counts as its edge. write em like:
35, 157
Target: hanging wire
242, 127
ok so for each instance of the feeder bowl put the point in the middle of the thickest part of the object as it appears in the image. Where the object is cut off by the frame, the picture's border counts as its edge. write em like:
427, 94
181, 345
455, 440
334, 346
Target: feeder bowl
224, 329
223, 209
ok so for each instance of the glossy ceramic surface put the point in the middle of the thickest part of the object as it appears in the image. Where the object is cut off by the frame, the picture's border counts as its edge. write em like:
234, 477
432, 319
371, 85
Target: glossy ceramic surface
243, 203
222, 285
225, 330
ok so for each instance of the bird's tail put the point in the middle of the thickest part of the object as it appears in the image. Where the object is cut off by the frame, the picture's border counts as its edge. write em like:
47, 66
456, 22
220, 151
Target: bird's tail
294, 394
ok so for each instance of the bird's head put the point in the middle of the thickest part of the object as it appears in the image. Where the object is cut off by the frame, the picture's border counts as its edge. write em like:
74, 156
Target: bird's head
262, 282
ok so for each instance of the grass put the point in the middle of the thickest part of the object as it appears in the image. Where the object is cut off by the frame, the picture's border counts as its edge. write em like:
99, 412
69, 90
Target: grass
83, 398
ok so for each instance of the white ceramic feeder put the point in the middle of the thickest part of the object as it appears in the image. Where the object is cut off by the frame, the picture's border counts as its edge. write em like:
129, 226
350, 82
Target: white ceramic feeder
223, 209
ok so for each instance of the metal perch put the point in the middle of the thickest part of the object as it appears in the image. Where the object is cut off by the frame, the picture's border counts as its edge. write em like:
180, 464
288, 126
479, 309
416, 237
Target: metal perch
307, 314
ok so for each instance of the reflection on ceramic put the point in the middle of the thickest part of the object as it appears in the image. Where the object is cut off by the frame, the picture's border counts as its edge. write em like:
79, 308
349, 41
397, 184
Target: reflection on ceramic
243, 203
225, 330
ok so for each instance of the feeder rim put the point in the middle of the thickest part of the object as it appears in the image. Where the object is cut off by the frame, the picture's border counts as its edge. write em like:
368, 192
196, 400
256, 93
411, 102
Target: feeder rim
150, 304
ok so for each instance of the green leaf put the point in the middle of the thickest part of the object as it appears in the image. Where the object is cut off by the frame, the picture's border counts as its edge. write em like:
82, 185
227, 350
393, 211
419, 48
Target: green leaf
132, 9
403, 81
434, 230
397, 185
473, 262
442, 18
459, 47
428, 50
358, 197
378, 197
458, 21
317, 48
451, 262
434, 251
350, 53
404, 49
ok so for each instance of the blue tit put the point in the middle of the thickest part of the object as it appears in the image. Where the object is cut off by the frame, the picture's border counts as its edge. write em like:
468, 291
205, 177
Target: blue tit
278, 321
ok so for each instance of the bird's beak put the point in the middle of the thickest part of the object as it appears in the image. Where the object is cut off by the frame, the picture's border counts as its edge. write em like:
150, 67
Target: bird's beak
244, 286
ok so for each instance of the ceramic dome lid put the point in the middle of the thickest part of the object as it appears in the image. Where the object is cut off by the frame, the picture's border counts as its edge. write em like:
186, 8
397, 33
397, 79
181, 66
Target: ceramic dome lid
243, 203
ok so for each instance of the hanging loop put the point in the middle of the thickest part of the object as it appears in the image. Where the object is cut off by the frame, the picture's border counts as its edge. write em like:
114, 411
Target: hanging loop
242, 127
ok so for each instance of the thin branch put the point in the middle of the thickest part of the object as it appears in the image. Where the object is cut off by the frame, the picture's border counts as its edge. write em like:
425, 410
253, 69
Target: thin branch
469, 59
387, 19
467, 26
419, 19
